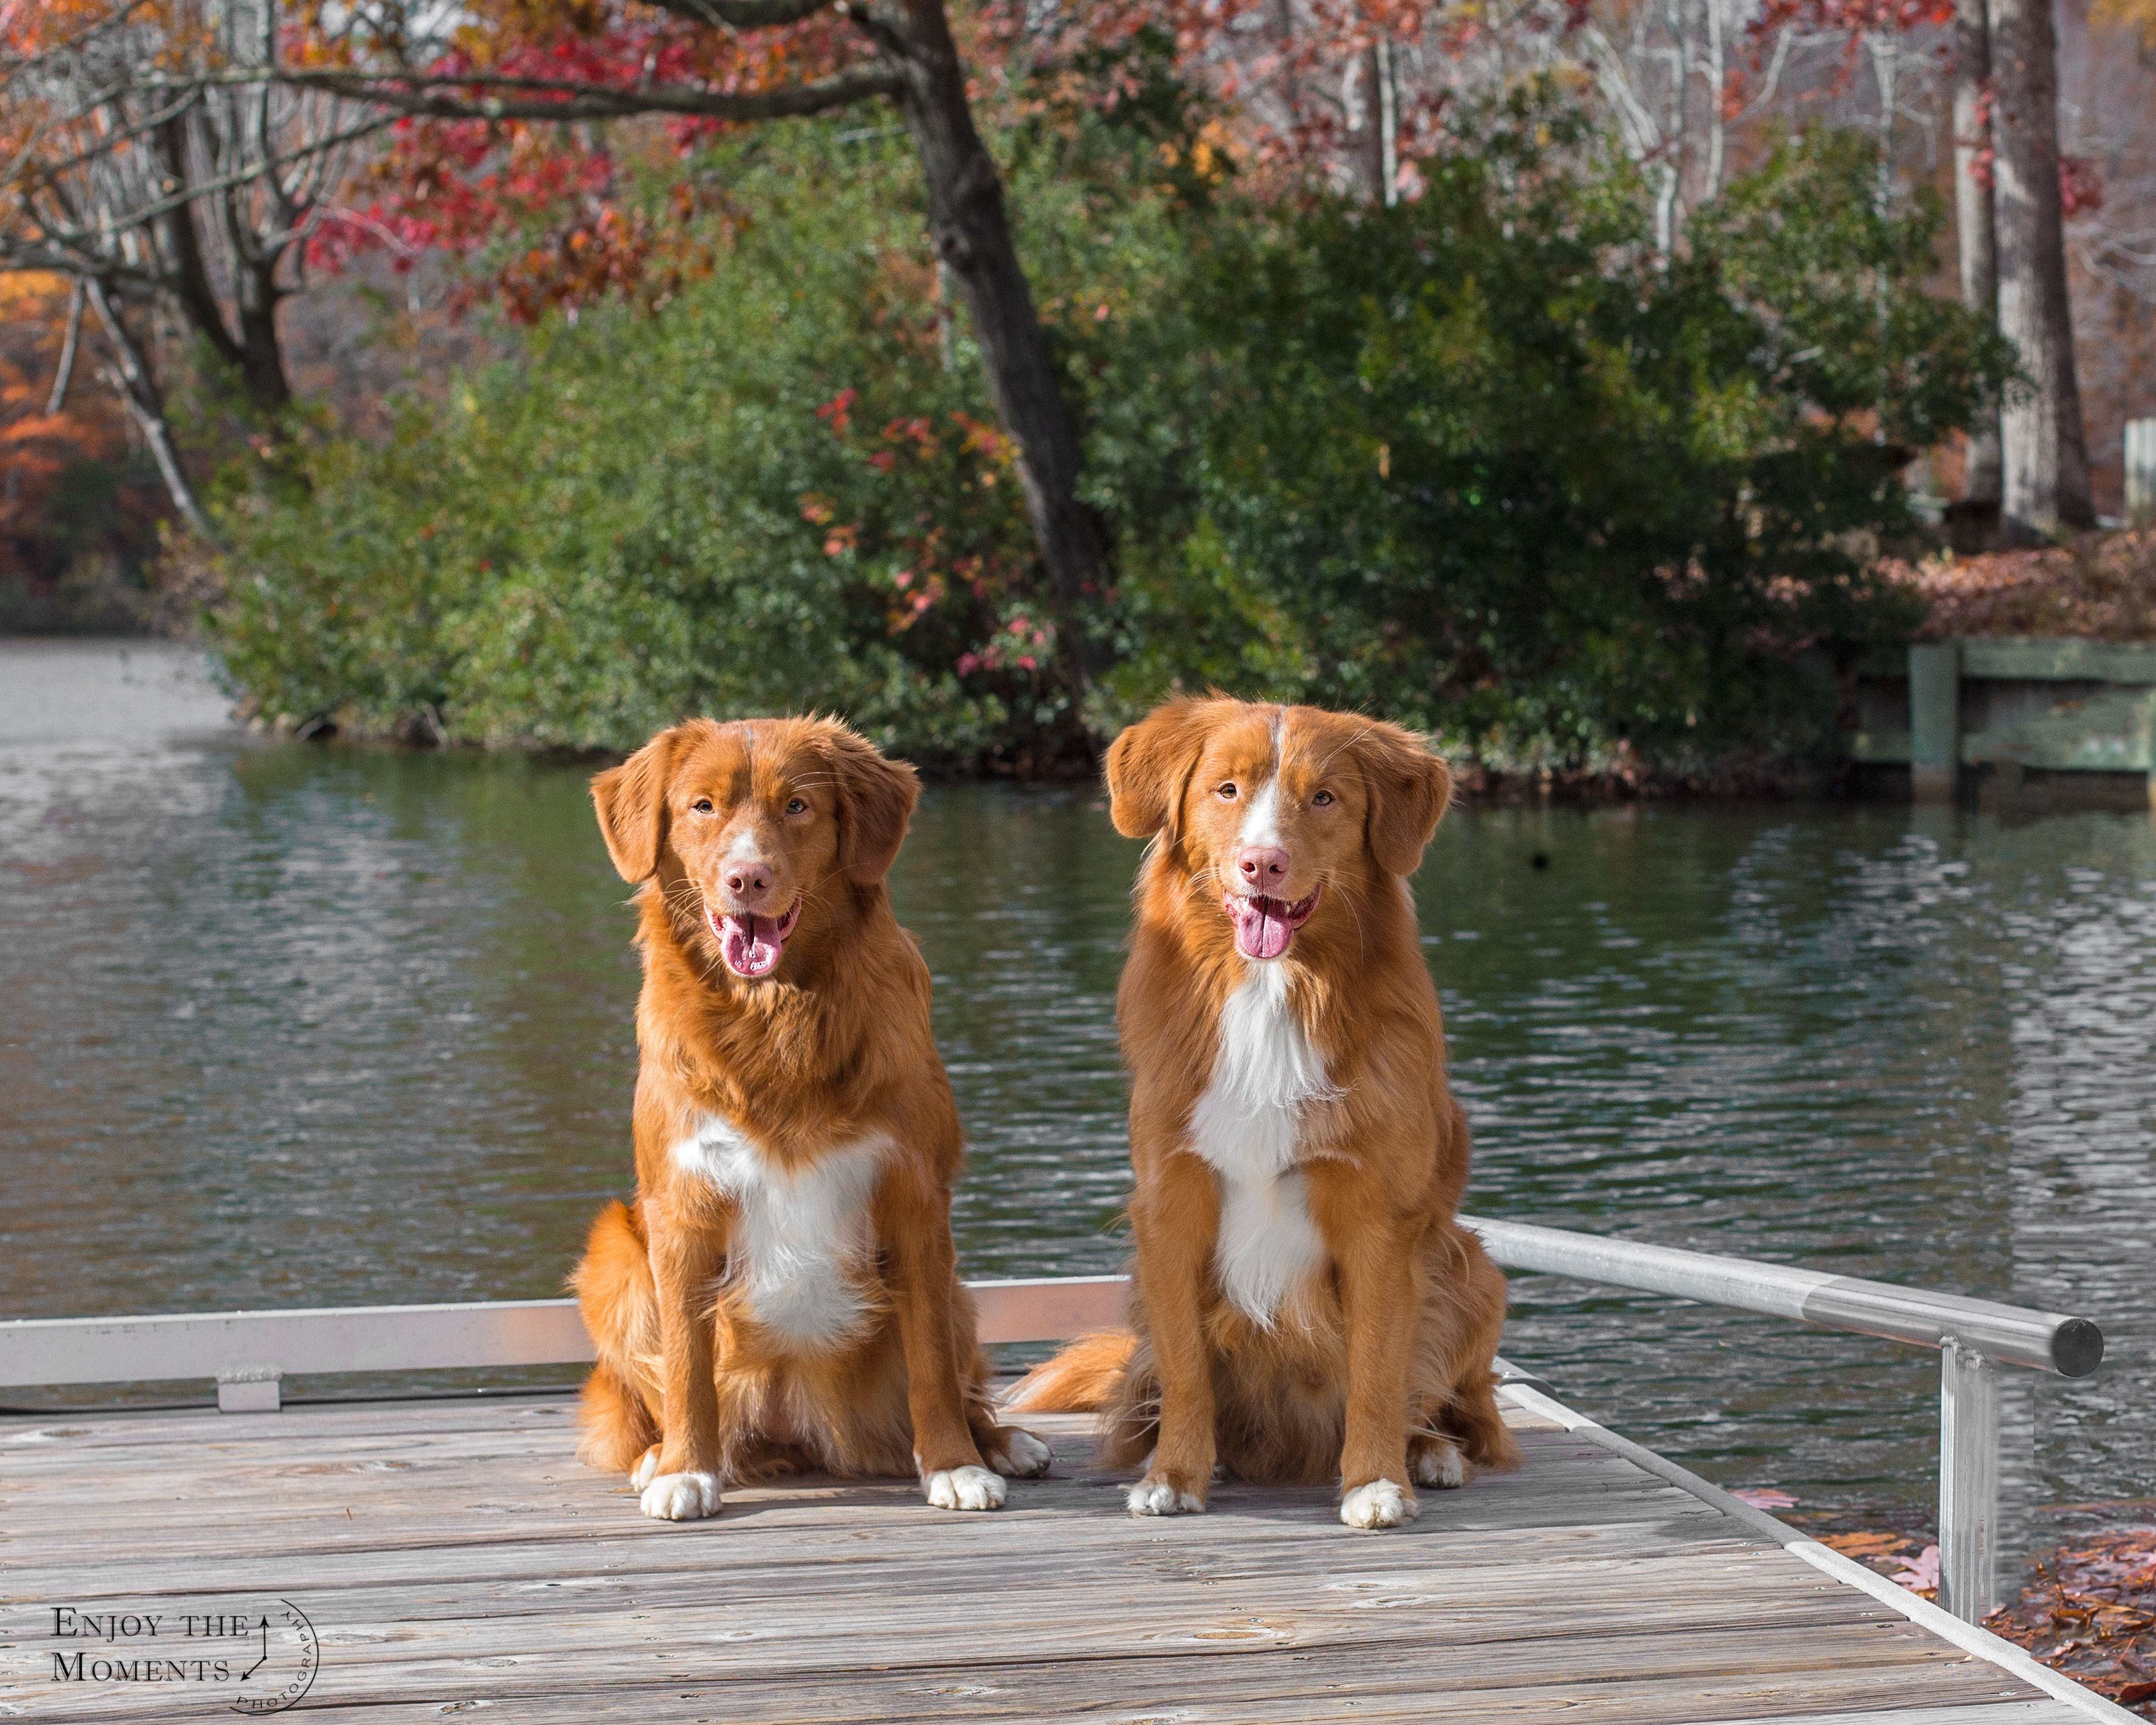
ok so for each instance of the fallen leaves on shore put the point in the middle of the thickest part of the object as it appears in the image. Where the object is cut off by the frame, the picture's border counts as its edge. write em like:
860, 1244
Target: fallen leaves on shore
2090, 1611
2102, 588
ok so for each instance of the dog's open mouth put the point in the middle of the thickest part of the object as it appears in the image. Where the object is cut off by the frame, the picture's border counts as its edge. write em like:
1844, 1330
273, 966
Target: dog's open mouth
750, 944
1264, 926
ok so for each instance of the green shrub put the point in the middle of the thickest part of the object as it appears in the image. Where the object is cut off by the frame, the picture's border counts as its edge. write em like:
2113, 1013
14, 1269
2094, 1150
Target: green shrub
1480, 462
771, 496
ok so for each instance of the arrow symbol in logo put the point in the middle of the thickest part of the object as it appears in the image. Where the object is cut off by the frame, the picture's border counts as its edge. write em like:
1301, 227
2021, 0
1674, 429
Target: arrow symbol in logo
264, 1660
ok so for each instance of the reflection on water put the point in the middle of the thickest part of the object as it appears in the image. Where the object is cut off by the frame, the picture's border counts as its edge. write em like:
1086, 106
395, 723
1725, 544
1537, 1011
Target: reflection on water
291, 1025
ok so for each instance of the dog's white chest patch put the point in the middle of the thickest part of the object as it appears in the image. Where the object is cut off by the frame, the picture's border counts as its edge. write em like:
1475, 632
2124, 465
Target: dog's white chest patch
1248, 1126
800, 1236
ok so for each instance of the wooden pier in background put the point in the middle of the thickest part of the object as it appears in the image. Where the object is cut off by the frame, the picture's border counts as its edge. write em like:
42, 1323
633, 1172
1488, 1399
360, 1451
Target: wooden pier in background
454, 1557
1982, 713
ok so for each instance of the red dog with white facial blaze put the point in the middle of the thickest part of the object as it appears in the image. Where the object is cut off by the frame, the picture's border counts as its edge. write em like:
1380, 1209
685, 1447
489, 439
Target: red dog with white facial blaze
784, 1291
1305, 1307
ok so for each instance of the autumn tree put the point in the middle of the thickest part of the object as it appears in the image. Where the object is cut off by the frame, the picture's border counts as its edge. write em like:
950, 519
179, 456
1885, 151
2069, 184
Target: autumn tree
54, 436
2011, 188
156, 160
514, 66
1680, 83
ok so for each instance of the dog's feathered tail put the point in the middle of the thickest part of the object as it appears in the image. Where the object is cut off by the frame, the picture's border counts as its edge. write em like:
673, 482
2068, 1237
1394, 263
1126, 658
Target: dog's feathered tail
620, 1307
1084, 1377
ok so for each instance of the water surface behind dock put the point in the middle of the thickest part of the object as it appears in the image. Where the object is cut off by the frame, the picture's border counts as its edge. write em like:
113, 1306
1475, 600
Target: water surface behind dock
290, 1024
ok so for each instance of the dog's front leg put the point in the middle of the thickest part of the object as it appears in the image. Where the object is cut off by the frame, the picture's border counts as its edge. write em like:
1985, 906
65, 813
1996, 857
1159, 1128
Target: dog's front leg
683, 1485
913, 1222
1176, 1216
1374, 1250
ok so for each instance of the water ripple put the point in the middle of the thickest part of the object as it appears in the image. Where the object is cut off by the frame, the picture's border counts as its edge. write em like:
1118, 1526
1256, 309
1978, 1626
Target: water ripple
300, 1026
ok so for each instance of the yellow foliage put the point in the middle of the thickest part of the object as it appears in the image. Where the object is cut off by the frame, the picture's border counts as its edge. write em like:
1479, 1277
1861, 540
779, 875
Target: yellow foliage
2138, 16
35, 446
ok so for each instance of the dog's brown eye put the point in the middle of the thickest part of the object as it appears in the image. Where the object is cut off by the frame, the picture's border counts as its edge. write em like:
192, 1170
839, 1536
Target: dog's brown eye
797, 806
1323, 800
1226, 792
702, 805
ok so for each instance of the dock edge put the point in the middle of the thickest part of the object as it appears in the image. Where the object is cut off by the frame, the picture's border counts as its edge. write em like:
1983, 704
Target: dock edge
1969, 1637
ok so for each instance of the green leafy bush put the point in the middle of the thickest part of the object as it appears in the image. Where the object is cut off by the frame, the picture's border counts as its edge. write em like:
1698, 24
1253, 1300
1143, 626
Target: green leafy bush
1480, 462
772, 496
1483, 463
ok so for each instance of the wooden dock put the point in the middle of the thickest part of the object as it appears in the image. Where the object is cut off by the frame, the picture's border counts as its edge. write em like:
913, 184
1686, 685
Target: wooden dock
1982, 713
453, 1556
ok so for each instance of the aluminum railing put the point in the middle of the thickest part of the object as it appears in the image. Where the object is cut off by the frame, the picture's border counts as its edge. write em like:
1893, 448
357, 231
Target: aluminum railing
1975, 1339
249, 1353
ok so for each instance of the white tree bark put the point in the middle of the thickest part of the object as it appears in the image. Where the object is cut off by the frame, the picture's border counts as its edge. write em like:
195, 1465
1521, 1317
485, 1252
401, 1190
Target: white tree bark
136, 385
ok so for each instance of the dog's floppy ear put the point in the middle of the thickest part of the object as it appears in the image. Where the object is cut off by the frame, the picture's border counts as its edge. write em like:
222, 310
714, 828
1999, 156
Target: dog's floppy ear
876, 795
631, 801
1409, 790
1151, 763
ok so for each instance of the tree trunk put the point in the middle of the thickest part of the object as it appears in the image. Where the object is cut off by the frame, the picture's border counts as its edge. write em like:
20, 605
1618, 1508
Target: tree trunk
1972, 225
2043, 476
1365, 128
254, 353
137, 386
185, 266
1281, 15
971, 235
261, 358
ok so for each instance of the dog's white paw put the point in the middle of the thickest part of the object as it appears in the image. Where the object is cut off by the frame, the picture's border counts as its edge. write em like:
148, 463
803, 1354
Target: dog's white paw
1379, 1504
680, 1496
1023, 1456
646, 1469
1157, 1497
966, 1488
1440, 1464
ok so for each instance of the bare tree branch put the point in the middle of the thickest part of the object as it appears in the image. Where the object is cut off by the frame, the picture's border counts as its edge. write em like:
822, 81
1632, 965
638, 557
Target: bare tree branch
434, 97
746, 14
65, 373
170, 159
137, 386
190, 192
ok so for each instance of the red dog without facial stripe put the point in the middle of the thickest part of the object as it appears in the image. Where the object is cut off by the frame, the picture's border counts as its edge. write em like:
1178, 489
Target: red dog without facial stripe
1305, 1305
784, 1291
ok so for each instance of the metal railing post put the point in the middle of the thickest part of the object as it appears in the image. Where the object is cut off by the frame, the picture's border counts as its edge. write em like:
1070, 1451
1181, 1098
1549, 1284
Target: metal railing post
1968, 1481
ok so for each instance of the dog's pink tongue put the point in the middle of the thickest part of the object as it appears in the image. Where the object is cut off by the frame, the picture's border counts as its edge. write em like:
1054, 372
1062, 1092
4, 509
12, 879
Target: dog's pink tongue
1262, 929
750, 944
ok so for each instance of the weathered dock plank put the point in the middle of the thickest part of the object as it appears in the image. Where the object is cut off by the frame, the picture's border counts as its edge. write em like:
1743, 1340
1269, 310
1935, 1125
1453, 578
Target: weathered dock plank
454, 1557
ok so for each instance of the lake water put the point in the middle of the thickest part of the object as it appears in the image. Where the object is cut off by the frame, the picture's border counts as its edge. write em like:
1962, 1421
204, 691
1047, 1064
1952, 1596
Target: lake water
286, 1024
